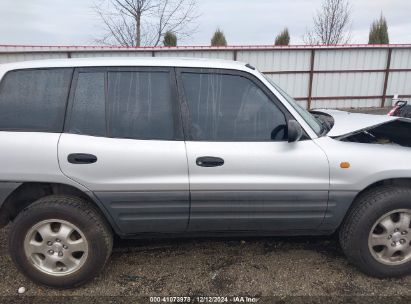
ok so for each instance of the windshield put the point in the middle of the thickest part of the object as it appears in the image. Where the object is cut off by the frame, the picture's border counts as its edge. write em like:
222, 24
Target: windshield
307, 116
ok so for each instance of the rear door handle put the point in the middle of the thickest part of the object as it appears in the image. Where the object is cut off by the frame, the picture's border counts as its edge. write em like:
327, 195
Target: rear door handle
209, 161
81, 158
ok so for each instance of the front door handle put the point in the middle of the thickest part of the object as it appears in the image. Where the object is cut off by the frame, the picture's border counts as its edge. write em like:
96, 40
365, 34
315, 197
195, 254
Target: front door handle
81, 158
209, 161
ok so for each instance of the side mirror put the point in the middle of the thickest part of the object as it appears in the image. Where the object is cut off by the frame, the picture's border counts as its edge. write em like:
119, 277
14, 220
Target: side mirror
295, 132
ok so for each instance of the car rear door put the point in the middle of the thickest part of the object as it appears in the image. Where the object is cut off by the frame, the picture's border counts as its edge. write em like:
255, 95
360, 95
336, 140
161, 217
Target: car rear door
123, 141
244, 174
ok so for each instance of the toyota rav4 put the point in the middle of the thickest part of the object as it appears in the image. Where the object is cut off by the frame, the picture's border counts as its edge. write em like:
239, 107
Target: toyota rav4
91, 148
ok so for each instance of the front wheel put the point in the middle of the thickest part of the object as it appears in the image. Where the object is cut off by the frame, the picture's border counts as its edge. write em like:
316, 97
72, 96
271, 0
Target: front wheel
60, 241
376, 235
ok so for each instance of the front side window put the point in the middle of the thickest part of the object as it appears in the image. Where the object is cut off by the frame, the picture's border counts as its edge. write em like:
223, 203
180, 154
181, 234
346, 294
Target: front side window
124, 104
231, 108
34, 100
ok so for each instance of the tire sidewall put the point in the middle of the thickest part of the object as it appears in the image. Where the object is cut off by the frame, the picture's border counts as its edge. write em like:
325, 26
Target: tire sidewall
97, 251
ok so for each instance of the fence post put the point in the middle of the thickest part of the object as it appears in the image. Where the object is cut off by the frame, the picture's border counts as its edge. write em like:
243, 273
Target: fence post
310, 82
387, 74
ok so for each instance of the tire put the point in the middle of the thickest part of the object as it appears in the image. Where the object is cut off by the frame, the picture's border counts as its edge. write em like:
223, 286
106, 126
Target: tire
74, 244
367, 235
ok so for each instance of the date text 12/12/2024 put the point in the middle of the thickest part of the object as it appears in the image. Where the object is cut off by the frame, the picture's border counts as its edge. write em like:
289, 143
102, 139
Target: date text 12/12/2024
204, 299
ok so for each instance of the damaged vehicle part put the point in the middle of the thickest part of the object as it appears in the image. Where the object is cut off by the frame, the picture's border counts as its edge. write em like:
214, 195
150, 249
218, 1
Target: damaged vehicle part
395, 132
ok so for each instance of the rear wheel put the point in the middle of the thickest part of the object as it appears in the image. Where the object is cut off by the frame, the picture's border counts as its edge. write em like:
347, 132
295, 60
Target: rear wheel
376, 236
60, 241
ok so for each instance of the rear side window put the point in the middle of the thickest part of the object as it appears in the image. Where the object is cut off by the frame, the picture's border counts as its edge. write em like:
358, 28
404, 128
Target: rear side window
34, 100
140, 105
89, 114
124, 104
231, 108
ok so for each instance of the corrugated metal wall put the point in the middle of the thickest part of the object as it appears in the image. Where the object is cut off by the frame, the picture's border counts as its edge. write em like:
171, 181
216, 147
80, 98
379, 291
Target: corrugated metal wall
318, 77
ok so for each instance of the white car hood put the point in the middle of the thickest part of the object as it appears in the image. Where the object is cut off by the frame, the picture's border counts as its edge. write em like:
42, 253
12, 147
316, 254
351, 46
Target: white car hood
346, 122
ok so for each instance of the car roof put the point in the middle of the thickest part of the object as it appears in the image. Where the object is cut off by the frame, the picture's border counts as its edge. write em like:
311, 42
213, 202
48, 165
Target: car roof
127, 61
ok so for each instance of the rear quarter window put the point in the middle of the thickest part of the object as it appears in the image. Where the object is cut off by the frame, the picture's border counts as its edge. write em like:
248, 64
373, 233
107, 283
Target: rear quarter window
34, 100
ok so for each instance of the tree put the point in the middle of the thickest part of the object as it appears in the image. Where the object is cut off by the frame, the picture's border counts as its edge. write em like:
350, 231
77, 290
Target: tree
332, 24
379, 32
283, 38
145, 22
218, 39
170, 39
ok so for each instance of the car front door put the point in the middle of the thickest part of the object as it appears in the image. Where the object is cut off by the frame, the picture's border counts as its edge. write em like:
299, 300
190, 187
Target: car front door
243, 173
123, 141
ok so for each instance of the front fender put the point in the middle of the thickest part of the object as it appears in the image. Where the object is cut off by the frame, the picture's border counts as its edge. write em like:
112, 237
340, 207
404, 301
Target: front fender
369, 163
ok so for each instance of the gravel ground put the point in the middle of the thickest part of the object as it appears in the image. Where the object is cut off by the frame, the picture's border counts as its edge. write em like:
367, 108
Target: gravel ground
261, 267
258, 267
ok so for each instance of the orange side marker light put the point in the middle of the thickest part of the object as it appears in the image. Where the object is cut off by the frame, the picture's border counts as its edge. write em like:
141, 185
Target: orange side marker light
345, 165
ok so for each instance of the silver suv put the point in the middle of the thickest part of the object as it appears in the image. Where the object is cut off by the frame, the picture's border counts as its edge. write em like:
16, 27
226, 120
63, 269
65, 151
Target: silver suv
164, 147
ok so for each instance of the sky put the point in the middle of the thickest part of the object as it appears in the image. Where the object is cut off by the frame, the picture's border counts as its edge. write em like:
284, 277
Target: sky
244, 22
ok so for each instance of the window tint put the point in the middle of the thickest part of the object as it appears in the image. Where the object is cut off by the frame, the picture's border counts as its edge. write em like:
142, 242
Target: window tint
231, 108
140, 105
34, 100
89, 115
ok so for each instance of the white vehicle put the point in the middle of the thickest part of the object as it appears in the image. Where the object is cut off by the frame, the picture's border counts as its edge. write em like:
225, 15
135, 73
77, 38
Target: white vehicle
165, 147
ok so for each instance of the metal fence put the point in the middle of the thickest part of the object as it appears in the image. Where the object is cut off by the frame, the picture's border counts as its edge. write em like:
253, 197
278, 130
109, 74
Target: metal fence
317, 76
